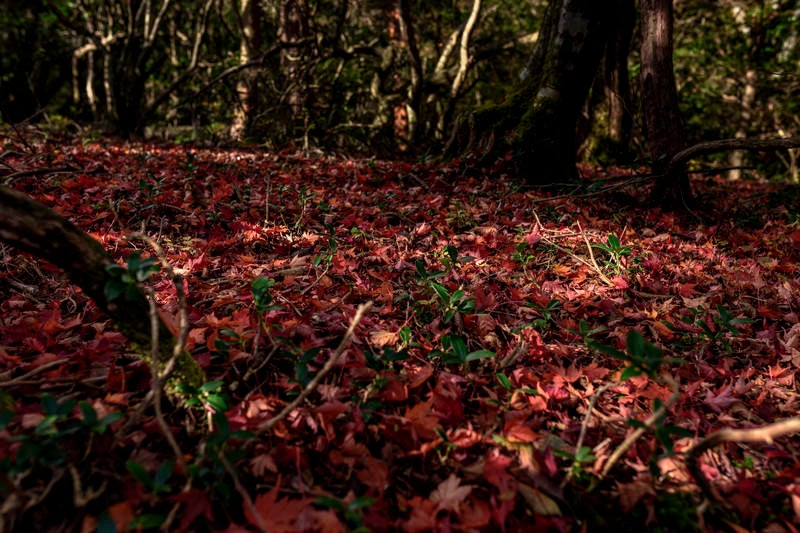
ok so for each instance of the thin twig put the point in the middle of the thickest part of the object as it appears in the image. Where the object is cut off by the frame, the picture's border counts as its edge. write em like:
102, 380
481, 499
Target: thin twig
584, 428
646, 425
158, 383
348, 336
592, 265
591, 257
37, 370
243, 493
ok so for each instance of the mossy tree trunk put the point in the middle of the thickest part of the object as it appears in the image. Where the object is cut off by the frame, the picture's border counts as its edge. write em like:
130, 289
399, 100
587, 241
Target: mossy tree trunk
542, 113
35, 228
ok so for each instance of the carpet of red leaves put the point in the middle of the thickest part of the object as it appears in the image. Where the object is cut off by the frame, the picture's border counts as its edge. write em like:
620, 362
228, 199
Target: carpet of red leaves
416, 428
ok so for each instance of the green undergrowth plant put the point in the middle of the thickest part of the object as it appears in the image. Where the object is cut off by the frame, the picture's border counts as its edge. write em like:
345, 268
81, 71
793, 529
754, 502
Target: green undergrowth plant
586, 333
645, 358
548, 314
523, 254
641, 356
325, 256
124, 280
63, 424
459, 218
352, 512
508, 388
615, 253
440, 301
454, 351
716, 332
210, 470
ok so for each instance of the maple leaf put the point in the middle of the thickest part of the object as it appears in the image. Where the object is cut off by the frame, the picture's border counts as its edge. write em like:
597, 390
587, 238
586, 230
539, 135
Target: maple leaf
423, 515
379, 339
279, 515
450, 494
539, 502
721, 400
533, 237
423, 419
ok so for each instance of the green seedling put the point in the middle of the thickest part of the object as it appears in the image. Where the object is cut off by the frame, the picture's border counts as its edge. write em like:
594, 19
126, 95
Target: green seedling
724, 322
124, 280
261, 296
452, 303
585, 333
351, 511
326, 254
455, 352
157, 483
547, 314
642, 356
523, 255
615, 251
59, 425
209, 396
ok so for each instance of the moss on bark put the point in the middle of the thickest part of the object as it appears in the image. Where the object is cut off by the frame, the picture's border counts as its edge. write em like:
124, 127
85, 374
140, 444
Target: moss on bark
35, 228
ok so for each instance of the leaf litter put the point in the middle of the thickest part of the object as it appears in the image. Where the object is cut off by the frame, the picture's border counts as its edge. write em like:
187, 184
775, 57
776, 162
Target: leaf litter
488, 386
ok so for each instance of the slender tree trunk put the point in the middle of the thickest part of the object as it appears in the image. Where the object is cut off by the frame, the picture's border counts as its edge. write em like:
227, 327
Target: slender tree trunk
246, 87
293, 29
736, 158
617, 82
660, 100
414, 106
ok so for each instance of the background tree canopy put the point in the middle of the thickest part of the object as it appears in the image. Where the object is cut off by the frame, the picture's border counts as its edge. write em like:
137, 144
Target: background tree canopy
382, 76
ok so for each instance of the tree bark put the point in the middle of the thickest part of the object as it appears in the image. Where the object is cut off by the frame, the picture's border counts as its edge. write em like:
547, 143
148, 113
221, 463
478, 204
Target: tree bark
293, 29
246, 87
542, 113
736, 158
615, 67
660, 100
676, 165
35, 228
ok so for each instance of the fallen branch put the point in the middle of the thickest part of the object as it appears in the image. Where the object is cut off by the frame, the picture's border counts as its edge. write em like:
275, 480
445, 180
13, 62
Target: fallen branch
725, 145
348, 336
766, 434
646, 425
584, 427
35, 228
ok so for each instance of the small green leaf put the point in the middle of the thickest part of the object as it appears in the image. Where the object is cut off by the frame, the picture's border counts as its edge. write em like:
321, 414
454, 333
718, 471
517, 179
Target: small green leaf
504, 381
443, 293
211, 386
635, 343
217, 402
163, 473
629, 372
106, 421
478, 354
140, 473
88, 413
147, 521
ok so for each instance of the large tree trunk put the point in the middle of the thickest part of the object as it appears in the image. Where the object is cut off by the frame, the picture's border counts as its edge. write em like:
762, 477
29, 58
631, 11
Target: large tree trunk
35, 228
660, 100
544, 110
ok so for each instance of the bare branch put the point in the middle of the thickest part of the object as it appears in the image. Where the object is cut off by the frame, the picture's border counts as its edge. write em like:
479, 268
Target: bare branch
766, 434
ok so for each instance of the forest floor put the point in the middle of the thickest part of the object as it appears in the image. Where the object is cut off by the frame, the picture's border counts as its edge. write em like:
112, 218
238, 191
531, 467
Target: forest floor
529, 362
